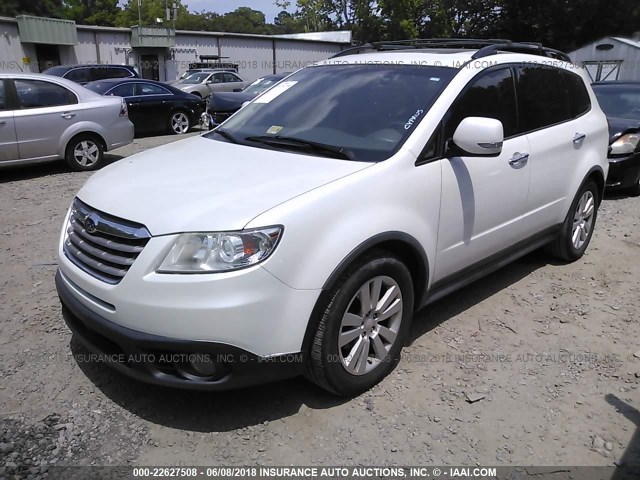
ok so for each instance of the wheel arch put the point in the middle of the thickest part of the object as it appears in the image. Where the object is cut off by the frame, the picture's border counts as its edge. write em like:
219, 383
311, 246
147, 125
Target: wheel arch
596, 174
82, 133
401, 244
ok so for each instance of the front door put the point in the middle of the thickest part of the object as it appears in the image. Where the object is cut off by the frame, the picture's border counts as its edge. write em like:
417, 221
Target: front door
483, 198
45, 111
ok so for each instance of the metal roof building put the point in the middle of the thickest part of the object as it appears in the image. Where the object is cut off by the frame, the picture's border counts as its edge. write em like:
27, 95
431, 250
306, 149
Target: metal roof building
33, 44
610, 58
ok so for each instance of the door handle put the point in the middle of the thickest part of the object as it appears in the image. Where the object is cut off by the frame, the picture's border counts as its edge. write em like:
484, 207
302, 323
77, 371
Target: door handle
579, 137
519, 160
68, 115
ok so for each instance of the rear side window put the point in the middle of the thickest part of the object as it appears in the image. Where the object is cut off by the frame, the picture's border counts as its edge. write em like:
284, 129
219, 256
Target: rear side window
119, 73
40, 94
125, 90
150, 89
544, 97
231, 78
491, 95
580, 102
80, 75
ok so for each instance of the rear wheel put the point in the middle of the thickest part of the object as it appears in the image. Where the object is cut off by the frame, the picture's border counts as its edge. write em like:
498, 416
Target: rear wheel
179, 123
578, 227
364, 325
85, 152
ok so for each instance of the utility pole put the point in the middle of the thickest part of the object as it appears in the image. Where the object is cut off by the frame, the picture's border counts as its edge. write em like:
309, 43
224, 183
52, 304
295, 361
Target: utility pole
140, 13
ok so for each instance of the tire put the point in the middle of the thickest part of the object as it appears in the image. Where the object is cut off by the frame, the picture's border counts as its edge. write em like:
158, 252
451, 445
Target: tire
578, 227
342, 369
85, 152
179, 122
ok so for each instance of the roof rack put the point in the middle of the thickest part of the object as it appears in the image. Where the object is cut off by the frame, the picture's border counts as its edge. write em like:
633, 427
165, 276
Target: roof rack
484, 47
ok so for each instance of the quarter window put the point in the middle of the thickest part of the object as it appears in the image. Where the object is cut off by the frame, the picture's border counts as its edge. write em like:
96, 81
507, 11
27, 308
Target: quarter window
491, 95
544, 97
578, 95
40, 94
231, 78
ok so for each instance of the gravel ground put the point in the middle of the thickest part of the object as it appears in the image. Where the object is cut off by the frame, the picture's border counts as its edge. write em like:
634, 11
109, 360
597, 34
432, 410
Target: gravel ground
538, 364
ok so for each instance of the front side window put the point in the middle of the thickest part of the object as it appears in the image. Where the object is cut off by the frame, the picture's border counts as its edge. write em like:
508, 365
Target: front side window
490, 95
40, 94
544, 97
3, 96
356, 112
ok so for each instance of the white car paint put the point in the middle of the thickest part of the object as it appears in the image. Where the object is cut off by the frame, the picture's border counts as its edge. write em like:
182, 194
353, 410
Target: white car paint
459, 210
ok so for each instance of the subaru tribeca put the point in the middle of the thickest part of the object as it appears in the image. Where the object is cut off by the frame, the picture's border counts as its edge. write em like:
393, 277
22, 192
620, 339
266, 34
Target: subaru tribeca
301, 235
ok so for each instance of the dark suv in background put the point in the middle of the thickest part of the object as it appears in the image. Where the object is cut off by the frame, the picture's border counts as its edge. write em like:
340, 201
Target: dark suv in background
83, 74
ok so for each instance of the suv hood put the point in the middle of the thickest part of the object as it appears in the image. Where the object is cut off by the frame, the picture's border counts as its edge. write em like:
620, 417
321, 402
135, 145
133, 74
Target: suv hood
201, 184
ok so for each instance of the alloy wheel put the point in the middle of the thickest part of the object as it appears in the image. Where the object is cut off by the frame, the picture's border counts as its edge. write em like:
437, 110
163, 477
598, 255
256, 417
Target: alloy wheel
179, 123
86, 153
583, 220
370, 325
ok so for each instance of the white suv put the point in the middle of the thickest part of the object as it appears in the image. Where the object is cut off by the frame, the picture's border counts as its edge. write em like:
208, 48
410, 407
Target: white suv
302, 235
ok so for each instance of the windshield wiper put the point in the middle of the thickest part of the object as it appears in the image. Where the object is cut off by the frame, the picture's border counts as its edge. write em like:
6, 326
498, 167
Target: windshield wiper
302, 144
223, 133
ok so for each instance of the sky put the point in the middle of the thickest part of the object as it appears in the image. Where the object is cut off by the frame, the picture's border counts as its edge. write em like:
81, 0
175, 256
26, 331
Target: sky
224, 6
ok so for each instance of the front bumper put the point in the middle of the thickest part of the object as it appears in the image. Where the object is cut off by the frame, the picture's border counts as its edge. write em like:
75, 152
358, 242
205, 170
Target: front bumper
624, 172
167, 361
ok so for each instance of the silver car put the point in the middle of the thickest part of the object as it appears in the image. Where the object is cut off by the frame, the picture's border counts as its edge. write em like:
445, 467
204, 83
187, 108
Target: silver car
204, 84
45, 118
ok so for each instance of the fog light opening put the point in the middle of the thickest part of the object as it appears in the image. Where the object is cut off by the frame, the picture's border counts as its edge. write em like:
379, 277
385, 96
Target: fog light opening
201, 366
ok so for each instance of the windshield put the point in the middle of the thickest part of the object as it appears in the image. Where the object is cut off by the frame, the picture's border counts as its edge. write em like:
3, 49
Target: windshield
363, 112
196, 78
260, 85
619, 101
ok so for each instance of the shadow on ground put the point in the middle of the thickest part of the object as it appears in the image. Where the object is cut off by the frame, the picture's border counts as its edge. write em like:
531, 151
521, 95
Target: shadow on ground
226, 411
57, 167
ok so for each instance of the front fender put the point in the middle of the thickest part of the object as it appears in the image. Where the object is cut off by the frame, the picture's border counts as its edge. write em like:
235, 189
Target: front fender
325, 226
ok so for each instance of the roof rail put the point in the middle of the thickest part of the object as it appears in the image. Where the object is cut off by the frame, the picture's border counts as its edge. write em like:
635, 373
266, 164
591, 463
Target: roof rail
485, 47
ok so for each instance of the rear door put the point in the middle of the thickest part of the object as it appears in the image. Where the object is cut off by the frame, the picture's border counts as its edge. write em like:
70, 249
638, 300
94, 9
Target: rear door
483, 198
233, 82
45, 110
551, 104
154, 105
8, 140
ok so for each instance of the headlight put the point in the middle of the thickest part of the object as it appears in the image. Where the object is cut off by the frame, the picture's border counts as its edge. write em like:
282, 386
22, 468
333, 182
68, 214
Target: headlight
625, 144
221, 251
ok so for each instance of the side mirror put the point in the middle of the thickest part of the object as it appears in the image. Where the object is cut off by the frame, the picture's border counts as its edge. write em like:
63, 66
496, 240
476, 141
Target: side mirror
478, 136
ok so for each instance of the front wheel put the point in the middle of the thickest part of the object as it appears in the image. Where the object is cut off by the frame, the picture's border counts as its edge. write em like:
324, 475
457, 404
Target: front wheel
363, 327
179, 123
577, 229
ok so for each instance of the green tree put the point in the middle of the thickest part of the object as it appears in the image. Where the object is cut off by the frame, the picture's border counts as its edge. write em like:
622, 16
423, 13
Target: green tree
150, 12
40, 8
92, 12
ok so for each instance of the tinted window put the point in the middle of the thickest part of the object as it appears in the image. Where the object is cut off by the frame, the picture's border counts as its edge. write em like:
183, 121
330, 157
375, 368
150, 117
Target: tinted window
150, 89
544, 98
119, 73
578, 96
38, 94
124, 90
491, 95
622, 101
78, 75
3, 98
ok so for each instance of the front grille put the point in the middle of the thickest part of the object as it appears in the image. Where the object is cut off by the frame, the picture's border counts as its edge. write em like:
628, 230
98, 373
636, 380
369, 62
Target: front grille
102, 245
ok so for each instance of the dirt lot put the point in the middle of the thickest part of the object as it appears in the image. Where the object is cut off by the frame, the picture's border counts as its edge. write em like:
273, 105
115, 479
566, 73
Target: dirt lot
546, 351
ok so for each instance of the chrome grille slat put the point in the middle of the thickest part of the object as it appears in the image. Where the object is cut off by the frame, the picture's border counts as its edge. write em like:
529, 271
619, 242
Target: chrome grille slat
102, 245
86, 247
103, 242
